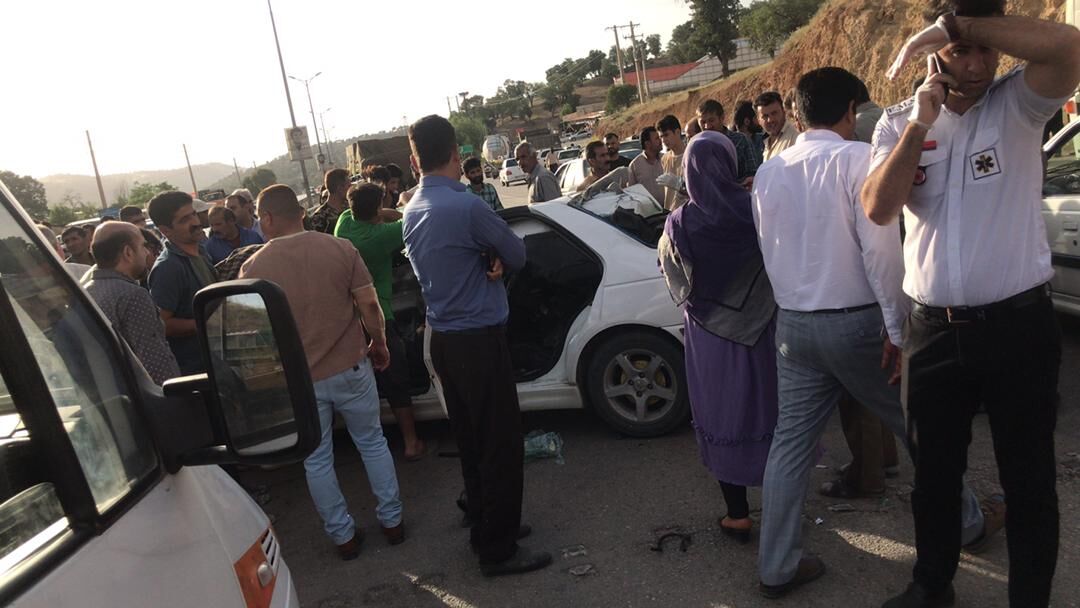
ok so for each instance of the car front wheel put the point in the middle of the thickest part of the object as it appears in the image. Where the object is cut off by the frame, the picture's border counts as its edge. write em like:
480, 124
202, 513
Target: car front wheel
636, 383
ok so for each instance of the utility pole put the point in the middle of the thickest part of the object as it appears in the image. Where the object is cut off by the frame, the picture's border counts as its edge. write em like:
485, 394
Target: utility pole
618, 52
97, 176
326, 136
314, 125
288, 98
449, 110
239, 182
191, 174
638, 65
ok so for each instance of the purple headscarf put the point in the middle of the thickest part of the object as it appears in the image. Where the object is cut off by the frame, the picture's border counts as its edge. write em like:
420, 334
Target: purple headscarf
714, 231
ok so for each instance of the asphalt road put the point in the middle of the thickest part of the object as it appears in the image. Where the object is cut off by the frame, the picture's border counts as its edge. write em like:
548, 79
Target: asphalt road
601, 512
513, 195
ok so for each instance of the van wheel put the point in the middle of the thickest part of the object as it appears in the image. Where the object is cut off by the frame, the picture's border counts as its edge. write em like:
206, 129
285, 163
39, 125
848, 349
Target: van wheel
636, 383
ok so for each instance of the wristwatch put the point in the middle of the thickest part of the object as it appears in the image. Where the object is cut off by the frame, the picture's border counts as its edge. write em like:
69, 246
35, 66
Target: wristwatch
948, 23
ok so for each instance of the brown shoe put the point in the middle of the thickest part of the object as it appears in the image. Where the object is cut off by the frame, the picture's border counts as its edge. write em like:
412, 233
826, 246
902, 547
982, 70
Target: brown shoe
993, 510
395, 535
810, 569
351, 549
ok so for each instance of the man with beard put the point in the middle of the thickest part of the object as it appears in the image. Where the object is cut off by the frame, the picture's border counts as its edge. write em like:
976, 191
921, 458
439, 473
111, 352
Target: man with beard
474, 171
242, 204
616, 160
781, 131
182, 269
646, 167
597, 155
120, 251
77, 243
227, 234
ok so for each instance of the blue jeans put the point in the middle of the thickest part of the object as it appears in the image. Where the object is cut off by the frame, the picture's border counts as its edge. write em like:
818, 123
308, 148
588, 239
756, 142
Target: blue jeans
352, 394
817, 357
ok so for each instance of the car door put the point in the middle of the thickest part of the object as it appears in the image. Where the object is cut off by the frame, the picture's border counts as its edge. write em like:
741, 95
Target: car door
1061, 213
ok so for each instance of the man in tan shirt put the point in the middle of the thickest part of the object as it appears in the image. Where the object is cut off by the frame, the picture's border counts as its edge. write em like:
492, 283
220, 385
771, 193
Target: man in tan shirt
326, 283
782, 132
671, 134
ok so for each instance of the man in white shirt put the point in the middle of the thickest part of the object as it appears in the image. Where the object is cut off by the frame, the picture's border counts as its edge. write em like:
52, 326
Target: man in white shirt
646, 167
964, 157
837, 279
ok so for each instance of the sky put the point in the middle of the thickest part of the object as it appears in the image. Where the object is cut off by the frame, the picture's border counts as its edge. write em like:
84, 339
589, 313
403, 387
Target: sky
147, 76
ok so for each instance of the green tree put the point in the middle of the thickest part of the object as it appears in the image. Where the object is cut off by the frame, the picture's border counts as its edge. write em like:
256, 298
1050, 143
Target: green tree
470, 131
767, 23
141, 193
594, 62
652, 43
619, 97
28, 191
683, 46
60, 215
261, 178
716, 28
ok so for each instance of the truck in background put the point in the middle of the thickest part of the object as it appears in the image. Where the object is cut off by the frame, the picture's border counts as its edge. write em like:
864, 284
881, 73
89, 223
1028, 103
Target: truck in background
496, 148
383, 151
539, 138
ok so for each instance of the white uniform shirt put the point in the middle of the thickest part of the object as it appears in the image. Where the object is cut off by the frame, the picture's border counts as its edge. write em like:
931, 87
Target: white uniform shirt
975, 232
820, 250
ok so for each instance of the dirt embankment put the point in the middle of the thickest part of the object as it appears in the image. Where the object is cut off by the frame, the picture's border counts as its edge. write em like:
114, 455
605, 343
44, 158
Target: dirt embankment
861, 36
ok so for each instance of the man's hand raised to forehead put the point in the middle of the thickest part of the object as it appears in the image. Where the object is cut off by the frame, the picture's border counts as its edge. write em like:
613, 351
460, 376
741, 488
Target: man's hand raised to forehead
930, 40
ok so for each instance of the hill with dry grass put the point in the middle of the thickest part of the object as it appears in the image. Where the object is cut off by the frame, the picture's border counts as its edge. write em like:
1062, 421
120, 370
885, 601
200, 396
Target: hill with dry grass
861, 36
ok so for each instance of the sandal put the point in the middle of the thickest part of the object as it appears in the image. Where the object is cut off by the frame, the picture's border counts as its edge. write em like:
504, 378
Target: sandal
839, 489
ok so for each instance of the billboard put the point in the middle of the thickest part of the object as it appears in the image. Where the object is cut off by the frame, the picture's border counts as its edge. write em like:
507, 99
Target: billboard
296, 138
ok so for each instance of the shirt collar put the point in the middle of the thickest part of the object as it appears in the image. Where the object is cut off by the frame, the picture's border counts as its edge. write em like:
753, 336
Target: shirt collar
819, 135
174, 249
434, 181
98, 273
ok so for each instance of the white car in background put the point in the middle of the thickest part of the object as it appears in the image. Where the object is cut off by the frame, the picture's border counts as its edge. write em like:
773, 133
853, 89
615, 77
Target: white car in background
511, 172
591, 321
1061, 213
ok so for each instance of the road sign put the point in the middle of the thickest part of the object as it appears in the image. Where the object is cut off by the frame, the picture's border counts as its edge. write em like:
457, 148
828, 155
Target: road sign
296, 138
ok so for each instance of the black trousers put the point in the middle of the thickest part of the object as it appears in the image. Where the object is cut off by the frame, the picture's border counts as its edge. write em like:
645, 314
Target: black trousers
1009, 362
477, 378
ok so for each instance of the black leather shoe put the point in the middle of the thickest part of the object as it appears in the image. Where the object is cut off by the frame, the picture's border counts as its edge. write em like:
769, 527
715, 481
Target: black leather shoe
523, 560
810, 569
917, 596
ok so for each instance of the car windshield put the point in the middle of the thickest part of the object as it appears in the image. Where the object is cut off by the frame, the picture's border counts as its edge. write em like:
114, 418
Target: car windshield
511, 162
565, 154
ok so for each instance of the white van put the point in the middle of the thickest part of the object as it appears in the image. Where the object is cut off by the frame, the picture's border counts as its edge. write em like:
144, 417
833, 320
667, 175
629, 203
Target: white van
109, 490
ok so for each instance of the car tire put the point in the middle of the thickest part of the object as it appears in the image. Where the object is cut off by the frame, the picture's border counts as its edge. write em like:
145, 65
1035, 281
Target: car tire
629, 397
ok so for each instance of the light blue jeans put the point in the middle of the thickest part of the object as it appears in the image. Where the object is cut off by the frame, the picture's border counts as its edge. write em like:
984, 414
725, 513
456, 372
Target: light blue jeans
818, 356
352, 394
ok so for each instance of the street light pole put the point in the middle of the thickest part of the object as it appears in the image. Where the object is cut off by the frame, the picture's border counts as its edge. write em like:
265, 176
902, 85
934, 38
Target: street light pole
329, 148
288, 97
314, 125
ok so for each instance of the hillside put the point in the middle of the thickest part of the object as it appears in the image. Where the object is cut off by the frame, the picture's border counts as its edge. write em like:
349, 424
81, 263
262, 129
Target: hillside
57, 187
862, 36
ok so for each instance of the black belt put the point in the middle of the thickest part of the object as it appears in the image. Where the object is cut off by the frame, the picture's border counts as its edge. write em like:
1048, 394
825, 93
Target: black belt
479, 331
970, 314
836, 311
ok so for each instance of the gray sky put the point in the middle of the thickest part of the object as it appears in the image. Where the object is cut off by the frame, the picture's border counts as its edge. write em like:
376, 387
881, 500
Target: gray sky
145, 76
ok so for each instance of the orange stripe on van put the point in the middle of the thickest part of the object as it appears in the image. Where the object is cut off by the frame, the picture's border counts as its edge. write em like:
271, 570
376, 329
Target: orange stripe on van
255, 594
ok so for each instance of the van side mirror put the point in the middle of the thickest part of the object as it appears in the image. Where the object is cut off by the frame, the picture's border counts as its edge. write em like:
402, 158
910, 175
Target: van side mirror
258, 393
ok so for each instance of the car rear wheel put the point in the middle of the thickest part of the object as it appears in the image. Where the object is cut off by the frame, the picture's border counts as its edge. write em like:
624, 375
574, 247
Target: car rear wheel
636, 383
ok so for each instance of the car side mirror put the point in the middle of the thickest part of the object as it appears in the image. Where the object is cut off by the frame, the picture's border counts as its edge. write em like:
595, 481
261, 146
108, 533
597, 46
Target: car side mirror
258, 394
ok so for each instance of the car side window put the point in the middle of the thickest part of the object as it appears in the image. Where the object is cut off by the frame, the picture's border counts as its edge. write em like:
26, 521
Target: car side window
1063, 169
79, 366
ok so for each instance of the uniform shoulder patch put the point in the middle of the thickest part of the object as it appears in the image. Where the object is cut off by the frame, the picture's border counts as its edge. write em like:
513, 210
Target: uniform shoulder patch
900, 108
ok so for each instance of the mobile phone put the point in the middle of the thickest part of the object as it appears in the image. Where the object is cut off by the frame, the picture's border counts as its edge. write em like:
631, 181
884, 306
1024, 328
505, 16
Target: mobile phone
941, 70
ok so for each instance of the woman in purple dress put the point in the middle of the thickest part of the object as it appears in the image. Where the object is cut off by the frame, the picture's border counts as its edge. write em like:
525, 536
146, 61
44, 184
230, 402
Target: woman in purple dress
713, 267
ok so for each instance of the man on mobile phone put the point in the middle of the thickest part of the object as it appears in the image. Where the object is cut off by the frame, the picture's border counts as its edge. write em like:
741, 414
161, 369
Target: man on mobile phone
966, 163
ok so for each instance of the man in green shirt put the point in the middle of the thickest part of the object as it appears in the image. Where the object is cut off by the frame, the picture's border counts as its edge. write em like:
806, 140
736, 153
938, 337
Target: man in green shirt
376, 234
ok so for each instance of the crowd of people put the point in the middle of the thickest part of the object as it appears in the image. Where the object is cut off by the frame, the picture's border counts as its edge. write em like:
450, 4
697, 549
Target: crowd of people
784, 247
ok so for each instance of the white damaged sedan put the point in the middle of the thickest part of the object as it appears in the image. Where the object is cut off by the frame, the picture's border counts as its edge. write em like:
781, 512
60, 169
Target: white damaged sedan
591, 322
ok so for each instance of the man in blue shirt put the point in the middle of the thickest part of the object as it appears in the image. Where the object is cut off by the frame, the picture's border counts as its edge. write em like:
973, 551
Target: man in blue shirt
227, 234
458, 248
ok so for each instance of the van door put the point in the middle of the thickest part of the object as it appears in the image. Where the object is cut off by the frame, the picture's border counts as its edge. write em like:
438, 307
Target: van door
1061, 213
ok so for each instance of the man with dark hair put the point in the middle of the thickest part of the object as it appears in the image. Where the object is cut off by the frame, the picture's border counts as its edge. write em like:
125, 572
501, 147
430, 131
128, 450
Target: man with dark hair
671, 136
617, 160
646, 167
324, 218
474, 172
327, 284
458, 247
964, 156
780, 131
77, 244
596, 155
120, 250
867, 114
242, 204
745, 122
693, 127
227, 234
393, 185
182, 269
376, 233
542, 184
837, 279
133, 215
710, 114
